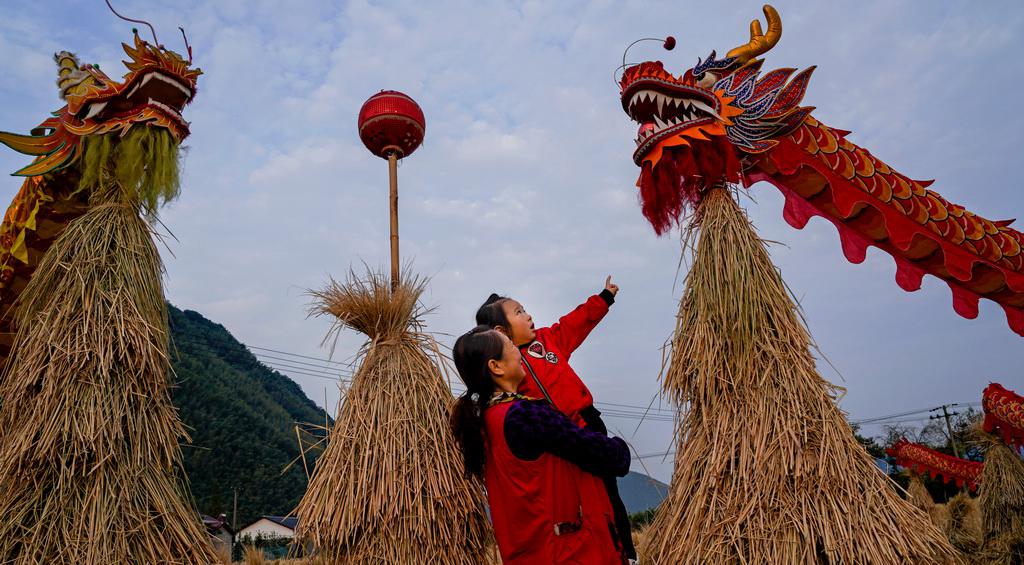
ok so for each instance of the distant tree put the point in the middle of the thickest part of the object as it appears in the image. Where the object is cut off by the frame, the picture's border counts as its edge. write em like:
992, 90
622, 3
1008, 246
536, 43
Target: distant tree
871, 444
640, 519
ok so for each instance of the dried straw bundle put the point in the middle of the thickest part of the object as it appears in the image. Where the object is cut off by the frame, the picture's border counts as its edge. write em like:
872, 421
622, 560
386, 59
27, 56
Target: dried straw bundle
90, 466
940, 516
389, 488
964, 526
767, 468
918, 495
1001, 502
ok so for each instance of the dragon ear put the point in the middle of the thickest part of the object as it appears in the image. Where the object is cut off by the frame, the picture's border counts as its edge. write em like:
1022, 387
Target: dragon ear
71, 78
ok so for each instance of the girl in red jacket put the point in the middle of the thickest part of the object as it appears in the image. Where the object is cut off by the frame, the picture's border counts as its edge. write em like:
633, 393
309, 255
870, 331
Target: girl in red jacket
548, 505
545, 354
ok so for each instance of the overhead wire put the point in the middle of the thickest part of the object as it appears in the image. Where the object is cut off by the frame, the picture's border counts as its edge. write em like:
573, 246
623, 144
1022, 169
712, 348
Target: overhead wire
340, 372
288, 366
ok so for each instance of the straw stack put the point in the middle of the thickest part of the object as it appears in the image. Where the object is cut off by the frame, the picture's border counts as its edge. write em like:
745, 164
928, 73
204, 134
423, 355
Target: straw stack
1001, 502
389, 488
90, 466
918, 495
963, 529
767, 468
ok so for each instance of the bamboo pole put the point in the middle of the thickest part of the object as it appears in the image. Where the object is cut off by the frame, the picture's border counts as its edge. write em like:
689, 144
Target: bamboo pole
393, 177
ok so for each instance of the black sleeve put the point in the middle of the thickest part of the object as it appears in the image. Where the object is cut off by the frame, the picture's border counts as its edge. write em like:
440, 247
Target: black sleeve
534, 427
607, 296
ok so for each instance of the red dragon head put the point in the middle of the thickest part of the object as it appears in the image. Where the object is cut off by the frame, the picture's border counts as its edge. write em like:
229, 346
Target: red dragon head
696, 128
158, 85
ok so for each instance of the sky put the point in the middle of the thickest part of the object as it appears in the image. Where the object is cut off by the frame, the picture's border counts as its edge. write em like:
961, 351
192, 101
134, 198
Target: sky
525, 182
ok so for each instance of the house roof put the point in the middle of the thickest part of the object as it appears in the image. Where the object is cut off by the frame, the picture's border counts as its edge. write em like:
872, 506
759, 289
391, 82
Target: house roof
287, 521
213, 524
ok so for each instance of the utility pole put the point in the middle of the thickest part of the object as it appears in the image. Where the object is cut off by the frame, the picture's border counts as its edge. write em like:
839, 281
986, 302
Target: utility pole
234, 513
949, 428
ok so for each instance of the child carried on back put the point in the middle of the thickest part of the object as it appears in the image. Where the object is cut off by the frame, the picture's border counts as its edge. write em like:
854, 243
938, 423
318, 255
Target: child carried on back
545, 356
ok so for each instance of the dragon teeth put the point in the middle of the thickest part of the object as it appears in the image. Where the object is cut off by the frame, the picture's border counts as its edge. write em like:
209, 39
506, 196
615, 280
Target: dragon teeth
165, 107
184, 90
95, 108
662, 101
705, 108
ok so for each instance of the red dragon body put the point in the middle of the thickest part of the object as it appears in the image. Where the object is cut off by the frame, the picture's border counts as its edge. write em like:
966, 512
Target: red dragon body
1004, 414
726, 120
922, 459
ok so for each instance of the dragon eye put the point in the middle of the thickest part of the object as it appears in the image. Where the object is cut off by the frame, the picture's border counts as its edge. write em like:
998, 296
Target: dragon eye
706, 79
699, 77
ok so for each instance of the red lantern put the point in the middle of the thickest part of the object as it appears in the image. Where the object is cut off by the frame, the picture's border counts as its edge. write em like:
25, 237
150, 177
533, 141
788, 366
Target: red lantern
391, 122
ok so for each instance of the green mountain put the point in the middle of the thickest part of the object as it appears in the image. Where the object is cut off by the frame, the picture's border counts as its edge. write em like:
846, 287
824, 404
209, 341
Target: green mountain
241, 416
640, 492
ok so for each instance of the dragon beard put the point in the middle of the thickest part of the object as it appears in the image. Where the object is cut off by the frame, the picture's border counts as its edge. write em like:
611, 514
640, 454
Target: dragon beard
143, 166
681, 178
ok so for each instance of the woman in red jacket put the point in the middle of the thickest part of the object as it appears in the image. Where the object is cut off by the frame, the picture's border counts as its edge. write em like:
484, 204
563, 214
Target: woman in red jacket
548, 504
546, 353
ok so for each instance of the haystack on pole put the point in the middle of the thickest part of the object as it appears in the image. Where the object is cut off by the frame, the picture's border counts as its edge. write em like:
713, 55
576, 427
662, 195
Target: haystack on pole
389, 488
767, 469
90, 462
1002, 481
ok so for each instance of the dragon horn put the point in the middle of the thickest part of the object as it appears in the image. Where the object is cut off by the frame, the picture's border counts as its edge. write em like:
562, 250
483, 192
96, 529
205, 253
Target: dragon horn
760, 42
70, 77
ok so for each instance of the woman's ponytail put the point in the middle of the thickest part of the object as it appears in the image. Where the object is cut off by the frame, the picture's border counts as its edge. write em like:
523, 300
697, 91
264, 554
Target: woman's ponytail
471, 353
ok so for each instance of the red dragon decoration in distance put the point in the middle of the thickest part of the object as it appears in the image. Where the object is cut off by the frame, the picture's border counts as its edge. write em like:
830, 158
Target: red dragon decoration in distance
921, 459
724, 120
1004, 414
153, 93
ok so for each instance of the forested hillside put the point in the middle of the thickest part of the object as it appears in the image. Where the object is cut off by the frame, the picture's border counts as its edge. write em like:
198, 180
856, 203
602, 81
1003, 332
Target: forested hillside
241, 416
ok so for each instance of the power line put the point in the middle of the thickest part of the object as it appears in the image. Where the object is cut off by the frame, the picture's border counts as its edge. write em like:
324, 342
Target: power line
291, 370
658, 454
287, 366
294, 354
881, 419
293, 363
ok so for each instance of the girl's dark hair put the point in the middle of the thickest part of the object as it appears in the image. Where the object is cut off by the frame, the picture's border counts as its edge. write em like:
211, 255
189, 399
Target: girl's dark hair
492, 313
471, 353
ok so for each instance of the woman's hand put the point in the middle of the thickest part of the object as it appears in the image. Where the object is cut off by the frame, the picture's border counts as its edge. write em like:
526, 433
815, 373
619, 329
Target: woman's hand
610, 286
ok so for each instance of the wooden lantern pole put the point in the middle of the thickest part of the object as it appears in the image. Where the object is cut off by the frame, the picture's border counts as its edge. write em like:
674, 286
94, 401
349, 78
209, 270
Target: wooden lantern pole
393, 176
391, 126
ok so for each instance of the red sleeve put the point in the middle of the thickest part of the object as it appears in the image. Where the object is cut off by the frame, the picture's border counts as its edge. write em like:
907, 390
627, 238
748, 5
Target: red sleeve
574, 327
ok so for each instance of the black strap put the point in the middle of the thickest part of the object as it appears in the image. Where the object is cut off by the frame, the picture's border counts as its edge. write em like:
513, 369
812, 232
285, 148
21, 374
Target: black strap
540, 385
